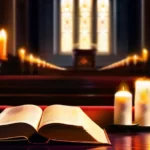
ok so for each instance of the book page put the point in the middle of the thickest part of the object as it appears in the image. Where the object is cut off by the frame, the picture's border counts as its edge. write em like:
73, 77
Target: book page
30, 114
68, 116
61, 114
93, 129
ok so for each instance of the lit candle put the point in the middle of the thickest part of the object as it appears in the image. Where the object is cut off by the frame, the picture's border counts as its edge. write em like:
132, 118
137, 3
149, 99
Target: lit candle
135, 59
43, 64
123, 108
39, 62
127, 60
145, 55
31, 59
22, 53
142, 102
3, 44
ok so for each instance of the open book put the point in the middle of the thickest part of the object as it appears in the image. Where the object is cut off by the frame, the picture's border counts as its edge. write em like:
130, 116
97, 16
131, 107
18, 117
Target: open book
56, 122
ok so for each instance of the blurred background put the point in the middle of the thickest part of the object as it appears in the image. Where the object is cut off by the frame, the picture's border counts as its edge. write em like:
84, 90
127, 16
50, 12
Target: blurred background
30, 24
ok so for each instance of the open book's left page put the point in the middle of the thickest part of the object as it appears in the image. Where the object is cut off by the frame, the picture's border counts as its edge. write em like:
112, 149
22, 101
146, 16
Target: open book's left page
19, 121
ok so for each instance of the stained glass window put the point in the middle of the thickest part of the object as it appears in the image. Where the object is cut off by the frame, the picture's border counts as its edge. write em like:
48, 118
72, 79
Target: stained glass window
103, 26
66, 35
85, 24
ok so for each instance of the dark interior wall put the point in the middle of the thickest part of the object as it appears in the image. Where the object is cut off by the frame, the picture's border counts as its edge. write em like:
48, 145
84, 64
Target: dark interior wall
22, 23
147, 24
33, 26
122, 25
134, 26
2, 9
45, 28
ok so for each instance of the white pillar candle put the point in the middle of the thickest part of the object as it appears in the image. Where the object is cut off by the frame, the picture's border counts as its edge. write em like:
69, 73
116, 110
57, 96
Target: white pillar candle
123, 108
142, 102
22, 53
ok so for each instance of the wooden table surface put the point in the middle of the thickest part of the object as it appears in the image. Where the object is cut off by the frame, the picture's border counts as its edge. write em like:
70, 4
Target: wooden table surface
120, 141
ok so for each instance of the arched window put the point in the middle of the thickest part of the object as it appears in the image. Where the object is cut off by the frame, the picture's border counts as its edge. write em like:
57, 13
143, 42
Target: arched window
103, 26
66, 28
85, 24
78, 23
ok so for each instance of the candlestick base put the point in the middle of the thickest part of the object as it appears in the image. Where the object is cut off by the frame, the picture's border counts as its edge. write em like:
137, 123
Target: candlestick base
143, 129
2, 64
116, 128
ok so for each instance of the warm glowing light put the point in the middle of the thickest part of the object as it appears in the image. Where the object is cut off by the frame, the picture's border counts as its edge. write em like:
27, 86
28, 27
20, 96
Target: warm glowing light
3, 44
66, 5
127, 61
135, 59
123, 108
43, 64
85, 16
103, 26
145, 54
31, 59
142, 101
22, 53
67, 17
39, 62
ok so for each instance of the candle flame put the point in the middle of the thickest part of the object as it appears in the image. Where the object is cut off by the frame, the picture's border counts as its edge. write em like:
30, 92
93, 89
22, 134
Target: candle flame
145, 51
145, 54
31, 58
135, 57
3, 34
22, 53
123, 87
3, 44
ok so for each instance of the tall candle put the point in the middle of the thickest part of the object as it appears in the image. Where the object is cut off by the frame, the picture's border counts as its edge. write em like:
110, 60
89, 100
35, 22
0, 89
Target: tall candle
135, 59
142, 102
145, 55
31, 59
3, 45
123, 108
22, 53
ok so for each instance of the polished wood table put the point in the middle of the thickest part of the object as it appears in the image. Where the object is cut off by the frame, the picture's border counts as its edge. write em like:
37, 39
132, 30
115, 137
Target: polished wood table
120, 141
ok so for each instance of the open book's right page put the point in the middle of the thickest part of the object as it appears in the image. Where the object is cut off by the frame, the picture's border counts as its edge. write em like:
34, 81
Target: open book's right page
70, 123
